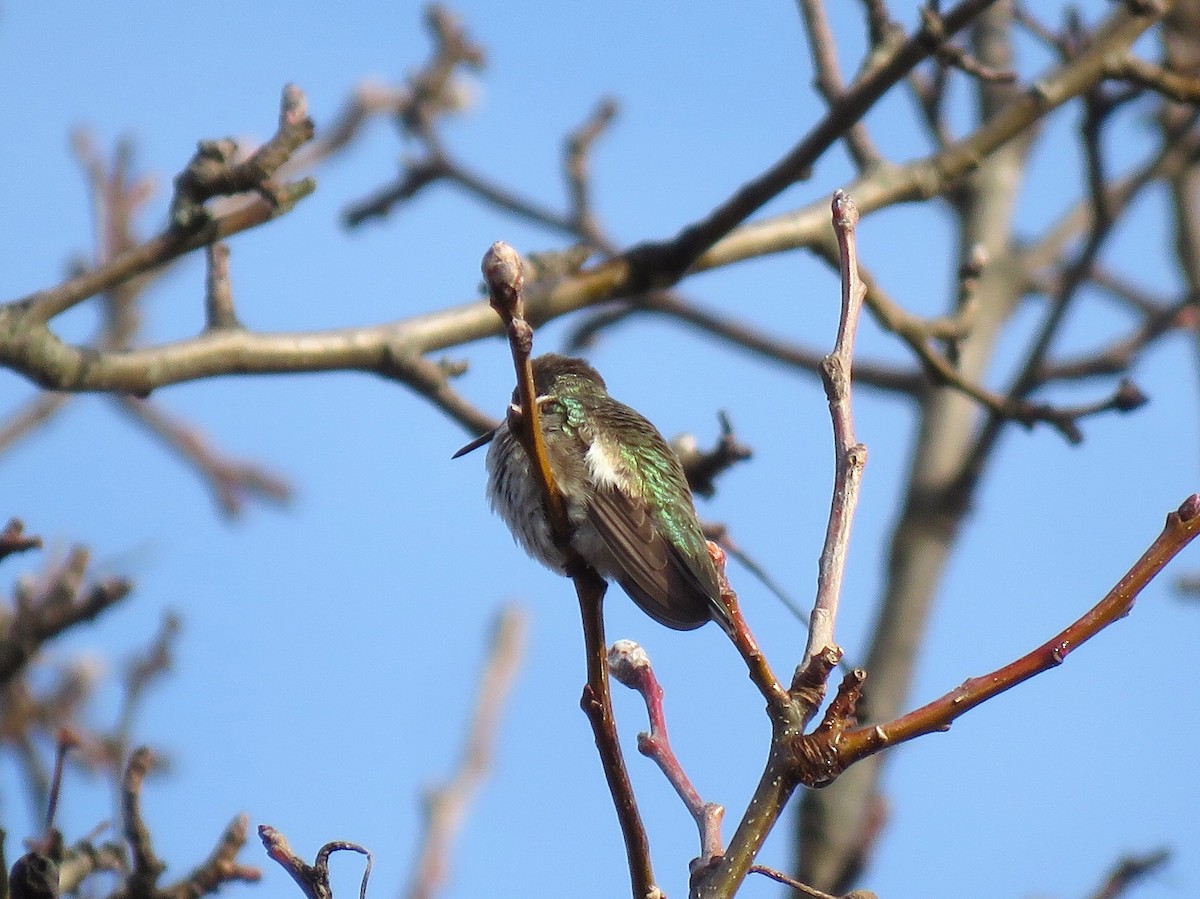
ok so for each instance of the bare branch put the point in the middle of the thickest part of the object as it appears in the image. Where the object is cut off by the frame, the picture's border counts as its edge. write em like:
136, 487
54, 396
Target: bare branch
313, 879
505, 281
577, 163
142, 882
702, 467
1131, 870
31, 416
446, 806
631, 666
232, 481
46, 608
218, 291
1182, 526
13, 539
829, 79
850, 456
216, 171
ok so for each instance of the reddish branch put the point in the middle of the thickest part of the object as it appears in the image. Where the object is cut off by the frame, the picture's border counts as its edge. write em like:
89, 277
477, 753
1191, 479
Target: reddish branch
631, 666
744, 641
842, 744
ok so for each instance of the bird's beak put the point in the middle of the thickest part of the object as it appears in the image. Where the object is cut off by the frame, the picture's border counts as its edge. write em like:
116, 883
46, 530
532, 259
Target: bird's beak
484, 438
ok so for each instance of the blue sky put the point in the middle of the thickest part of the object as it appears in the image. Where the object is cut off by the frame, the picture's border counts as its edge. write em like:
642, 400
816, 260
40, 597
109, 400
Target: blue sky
329, 649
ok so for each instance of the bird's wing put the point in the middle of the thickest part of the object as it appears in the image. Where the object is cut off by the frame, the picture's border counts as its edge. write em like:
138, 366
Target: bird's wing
658, 577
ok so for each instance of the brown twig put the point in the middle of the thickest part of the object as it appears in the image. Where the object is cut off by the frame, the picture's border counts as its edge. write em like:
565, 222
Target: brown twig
433, 85
703, 467
140, 674
220, 868
231, 480
630, 665
805, 889
218, 291
142, 882
1177, 86
596, 703
446, 806
216, 171
830, 85
58, 601
744, 641
67, 740
1130, 871
432, 381
13, 539
1120, 355
850, 456
502, 272
1182, 526
719, 534
577, 161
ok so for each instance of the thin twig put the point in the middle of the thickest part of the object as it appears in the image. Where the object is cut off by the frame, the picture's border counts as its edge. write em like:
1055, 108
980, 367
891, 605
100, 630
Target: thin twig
502, 272
630, 665
231, 480
13, 539
446, 806
29, 417
218, 291
142, 882
745, 642
1129, 871
832, 88
1182, 526
577, 163
220, 868
313, 879
850, 456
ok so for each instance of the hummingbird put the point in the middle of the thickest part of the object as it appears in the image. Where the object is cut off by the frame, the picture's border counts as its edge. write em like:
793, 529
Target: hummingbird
626, 496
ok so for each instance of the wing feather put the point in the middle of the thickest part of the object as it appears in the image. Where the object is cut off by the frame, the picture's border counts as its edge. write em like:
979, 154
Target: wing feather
658, 578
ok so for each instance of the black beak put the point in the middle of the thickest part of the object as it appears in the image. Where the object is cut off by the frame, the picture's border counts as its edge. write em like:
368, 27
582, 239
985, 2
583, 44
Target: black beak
484, 438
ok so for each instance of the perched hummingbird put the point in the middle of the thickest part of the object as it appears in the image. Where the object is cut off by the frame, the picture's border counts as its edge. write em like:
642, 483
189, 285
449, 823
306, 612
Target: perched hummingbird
625, 493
